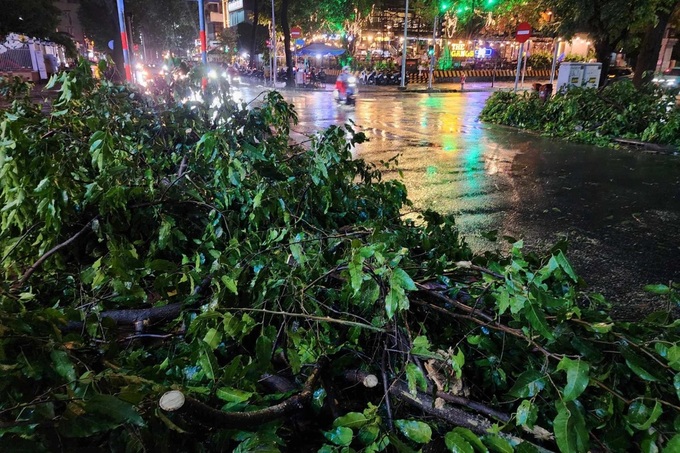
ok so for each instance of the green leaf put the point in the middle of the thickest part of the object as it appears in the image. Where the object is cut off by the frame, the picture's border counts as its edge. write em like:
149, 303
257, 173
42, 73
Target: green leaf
368, 434
641, 417
472, 438
569, 428
351, 420
528, 384
527, 413
113, 409
415, 378
233, 395
340, 436
658, 289
457, 443
415, 430
62, 365
673, 445
297, 252
497, 443
670, 353
212, 338
641, 367
393, 302
421, 347
577, 377
230, 284
503, 301
401, 279
537, 319
263, 349
356, 271
566, 267
207, 360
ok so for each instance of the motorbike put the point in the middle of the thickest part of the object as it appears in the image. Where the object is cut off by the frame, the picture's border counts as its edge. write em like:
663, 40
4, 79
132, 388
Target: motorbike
350, 91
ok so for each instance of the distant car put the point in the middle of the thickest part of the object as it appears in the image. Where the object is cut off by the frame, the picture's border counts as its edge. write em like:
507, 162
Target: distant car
669, 78
618, 73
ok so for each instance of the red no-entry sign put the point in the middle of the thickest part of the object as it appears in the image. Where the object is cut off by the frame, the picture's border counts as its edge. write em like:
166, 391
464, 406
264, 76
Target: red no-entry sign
295, 32
523, 32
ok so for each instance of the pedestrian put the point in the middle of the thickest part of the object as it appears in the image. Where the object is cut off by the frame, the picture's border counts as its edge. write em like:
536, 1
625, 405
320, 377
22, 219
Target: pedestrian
299, 77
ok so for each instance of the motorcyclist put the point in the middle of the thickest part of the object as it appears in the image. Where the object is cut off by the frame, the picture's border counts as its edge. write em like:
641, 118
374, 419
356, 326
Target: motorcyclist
341, 83
346, 86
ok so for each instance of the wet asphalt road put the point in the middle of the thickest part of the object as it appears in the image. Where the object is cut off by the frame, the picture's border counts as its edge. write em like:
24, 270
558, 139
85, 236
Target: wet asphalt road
619, 209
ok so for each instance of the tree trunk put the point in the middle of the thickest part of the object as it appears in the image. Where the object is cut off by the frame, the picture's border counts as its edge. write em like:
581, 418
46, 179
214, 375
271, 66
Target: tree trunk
650, 48
603, 53
253, 34
285, 26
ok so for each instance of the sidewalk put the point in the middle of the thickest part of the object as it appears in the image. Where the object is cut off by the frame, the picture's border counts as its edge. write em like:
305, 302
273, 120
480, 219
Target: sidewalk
421, 88
453, 87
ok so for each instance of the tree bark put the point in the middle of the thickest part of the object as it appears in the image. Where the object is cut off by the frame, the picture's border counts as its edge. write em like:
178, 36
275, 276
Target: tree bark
176, 401
650, 48
285, 26
253, 34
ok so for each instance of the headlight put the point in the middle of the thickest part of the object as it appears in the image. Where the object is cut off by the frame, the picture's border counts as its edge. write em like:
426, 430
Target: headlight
212, 74
352, 79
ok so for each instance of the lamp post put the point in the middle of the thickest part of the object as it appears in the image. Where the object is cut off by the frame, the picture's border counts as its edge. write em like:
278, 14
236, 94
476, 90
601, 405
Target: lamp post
434, 41
403, 52
273, 47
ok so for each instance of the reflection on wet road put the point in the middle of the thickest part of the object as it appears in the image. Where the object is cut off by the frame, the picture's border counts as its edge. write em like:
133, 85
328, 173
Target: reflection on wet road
620, 209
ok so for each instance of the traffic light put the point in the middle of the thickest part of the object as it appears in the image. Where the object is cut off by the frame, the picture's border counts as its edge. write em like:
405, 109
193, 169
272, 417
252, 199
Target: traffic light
430, 50
444, 6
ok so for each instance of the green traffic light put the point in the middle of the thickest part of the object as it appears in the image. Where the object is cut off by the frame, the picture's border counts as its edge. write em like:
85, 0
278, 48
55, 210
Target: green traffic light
443, 7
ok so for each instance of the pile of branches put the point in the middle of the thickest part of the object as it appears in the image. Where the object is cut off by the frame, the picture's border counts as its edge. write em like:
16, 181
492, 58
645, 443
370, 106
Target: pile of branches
180, 276
616, 113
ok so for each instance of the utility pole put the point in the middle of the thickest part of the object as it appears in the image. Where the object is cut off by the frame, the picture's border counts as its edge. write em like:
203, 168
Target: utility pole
202, 37
124, 40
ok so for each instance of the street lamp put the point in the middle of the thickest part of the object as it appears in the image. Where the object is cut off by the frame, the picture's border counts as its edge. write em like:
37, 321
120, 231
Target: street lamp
403, 51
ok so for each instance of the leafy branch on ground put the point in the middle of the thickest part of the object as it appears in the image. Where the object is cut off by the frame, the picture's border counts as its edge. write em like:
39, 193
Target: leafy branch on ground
189, 246
598, 117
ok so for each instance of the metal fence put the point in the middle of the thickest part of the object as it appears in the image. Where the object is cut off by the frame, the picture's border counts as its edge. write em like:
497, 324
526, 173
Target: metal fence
16, 60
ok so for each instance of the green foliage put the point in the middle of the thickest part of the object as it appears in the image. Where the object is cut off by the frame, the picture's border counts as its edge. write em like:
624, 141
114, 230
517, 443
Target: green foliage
540, 60
593, 116
278, 257
13, 88
35, 18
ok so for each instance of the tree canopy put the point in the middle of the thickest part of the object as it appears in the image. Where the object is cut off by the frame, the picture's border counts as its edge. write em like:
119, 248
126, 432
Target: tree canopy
35, 18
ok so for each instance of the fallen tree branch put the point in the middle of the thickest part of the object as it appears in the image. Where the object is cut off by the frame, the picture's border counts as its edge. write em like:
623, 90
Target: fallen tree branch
496, 326
452, 415
455, 416
49, 253
176, 401
424, 290
143, 316
311, 317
